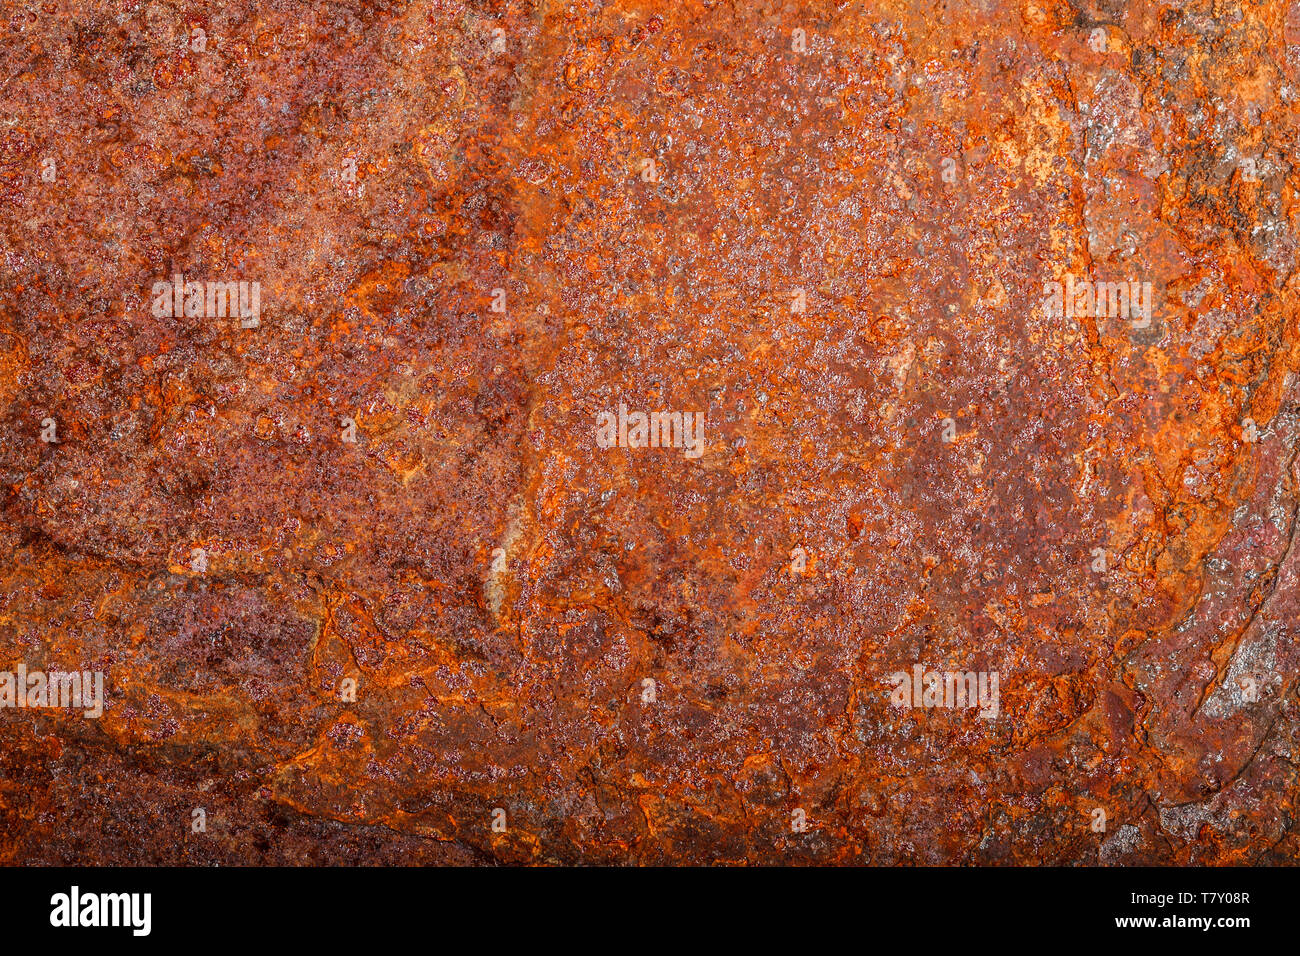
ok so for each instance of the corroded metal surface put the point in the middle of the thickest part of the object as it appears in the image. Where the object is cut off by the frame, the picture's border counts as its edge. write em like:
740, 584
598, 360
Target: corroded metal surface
832, 231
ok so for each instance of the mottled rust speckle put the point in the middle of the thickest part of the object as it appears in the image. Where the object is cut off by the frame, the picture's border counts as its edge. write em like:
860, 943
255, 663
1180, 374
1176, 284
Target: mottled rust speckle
1136, 140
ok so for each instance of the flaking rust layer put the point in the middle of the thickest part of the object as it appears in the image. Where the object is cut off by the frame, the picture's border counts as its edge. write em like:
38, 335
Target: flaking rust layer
475, 228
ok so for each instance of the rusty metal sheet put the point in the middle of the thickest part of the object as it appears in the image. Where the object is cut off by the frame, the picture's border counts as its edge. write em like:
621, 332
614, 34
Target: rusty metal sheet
649, 432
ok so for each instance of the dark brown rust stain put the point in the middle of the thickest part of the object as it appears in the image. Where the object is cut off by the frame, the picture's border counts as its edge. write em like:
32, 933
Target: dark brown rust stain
381, 168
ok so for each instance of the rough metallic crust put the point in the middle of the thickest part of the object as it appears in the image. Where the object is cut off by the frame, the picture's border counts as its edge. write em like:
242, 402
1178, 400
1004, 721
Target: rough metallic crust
521, 170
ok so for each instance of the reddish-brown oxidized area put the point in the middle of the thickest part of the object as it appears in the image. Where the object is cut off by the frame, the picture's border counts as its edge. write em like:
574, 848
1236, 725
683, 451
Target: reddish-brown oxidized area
477, 226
